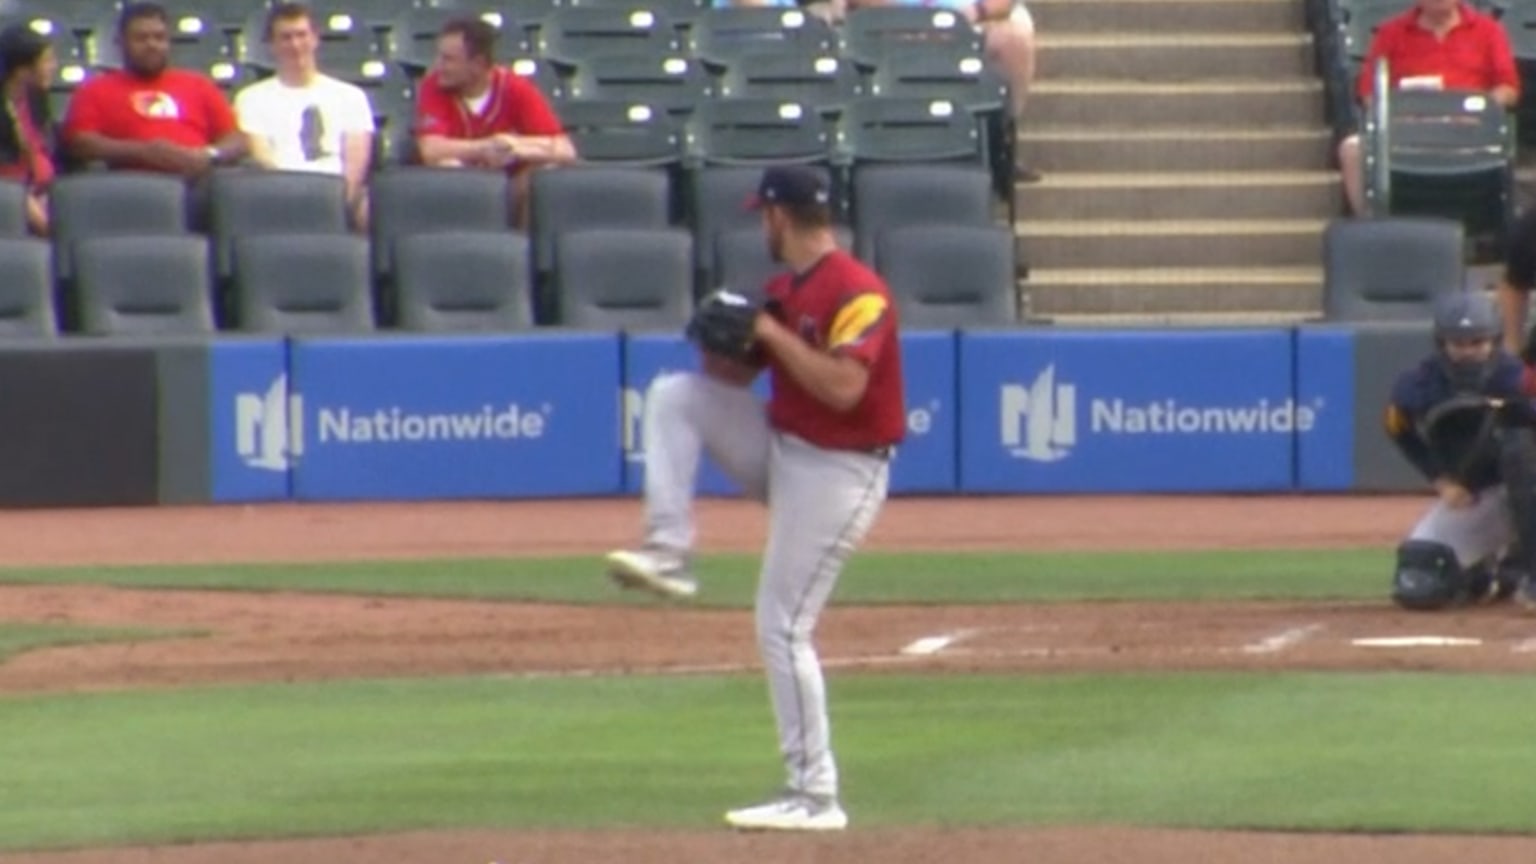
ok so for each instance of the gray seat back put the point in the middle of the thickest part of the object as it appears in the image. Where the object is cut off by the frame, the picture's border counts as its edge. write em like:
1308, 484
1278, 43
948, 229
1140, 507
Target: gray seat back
133, 286
303, 283
464, 282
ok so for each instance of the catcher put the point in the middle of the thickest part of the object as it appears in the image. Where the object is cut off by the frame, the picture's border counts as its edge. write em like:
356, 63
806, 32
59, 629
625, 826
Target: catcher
1461, 418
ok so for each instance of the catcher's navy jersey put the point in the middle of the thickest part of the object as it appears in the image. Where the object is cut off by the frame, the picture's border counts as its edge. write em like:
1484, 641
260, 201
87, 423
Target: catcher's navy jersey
1419, 390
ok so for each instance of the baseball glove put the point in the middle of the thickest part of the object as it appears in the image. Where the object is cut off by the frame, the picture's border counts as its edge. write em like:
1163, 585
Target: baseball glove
722, 324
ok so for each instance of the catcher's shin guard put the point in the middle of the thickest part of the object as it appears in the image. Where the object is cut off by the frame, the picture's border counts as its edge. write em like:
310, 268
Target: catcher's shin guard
1428, 576
1517, 468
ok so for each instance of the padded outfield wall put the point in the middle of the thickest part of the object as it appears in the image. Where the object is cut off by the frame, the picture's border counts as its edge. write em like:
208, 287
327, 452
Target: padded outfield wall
556, 414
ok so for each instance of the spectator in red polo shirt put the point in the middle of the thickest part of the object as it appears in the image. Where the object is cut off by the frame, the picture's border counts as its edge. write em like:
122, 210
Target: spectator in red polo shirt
1439, 45
148, 116
473, 113
27, 64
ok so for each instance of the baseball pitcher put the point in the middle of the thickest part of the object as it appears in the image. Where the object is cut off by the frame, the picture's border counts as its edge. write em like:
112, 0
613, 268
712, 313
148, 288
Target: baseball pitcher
818, 455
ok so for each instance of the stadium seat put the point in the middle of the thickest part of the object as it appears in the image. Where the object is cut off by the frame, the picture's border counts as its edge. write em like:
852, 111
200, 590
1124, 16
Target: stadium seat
871, 34
413, 32
1390, 269
117, 202
681, 13
26, 289
671, 82
413, 200
722, 36
889, 197
464, 281
822, 80
758, 132
250, 202
615, 132
303, 283
578, 198
1443, 153
13, 209
374, 13
143, 285
570, 35
948, 276
717, 206
624, 278
944, 70
742, 262
910, 129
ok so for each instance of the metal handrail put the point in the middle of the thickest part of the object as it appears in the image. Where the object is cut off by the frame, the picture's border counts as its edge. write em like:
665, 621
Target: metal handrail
1380, 141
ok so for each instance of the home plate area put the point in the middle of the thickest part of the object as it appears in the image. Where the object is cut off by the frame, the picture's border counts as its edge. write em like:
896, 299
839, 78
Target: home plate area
1111, 636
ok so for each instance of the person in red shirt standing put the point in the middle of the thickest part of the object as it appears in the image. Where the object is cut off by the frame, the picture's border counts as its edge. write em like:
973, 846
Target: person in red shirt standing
1438, 45
27, 65
148, 116
819, 455
472, 113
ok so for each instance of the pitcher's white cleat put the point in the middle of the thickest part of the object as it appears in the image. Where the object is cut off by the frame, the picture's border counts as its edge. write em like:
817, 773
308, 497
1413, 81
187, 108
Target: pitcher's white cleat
659, 571
792, 812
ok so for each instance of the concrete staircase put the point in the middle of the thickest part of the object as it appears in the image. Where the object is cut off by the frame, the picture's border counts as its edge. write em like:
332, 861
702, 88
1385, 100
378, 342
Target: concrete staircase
1186, 160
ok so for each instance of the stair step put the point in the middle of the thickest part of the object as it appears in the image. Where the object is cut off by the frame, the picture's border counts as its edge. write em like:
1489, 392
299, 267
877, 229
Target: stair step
1163, 57
1295, 291
1167, 16
1216, 103
1169, 195
1063, 149
1170, 243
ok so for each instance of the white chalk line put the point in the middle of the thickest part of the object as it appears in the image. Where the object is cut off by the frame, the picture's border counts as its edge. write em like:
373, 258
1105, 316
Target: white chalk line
931, 645
1284, 639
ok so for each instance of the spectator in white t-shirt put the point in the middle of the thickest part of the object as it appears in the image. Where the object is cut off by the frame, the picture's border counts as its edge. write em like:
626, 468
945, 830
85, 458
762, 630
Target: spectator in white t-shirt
303, 120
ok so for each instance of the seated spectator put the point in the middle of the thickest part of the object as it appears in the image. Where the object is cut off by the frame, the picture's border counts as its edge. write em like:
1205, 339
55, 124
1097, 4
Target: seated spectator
473, 113
1008, 37
148, 116
303, 120
1439, 45
27, 65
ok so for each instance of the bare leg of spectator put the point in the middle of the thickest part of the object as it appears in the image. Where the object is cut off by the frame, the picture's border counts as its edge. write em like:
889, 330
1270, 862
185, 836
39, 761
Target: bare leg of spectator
1010, 46
521, 190
358, 211
1352, 174
831, 11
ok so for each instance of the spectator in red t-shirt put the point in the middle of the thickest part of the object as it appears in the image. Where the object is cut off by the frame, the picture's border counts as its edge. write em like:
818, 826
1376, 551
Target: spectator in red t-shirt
1439, 45
148, 116
27, 65
472, 113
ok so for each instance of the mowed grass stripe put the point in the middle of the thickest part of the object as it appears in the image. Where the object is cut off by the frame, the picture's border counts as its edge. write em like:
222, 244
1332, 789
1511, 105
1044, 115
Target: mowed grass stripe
729, 580
1396, 752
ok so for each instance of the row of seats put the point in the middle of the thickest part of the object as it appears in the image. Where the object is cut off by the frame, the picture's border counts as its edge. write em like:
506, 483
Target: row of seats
609, 278
721, 238
366, 29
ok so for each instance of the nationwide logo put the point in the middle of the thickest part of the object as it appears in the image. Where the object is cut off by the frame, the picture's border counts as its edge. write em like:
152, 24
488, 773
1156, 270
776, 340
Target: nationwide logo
1040, 422
270, 425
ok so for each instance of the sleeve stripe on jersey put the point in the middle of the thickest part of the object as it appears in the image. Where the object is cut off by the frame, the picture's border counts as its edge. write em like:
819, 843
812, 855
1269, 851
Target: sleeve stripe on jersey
1396, 421
856, 319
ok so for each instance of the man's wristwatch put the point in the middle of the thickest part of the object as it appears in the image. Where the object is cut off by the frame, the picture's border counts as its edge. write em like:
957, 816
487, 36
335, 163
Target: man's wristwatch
213, 153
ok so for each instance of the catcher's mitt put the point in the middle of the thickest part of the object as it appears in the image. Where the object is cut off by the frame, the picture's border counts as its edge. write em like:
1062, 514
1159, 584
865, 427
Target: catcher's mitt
722, 324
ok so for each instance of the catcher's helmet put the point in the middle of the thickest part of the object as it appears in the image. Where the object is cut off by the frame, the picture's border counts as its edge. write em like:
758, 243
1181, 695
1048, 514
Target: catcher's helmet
1466, 315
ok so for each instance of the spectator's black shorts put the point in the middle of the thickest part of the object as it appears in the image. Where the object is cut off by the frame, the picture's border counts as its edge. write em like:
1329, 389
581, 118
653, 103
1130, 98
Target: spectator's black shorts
1520, 257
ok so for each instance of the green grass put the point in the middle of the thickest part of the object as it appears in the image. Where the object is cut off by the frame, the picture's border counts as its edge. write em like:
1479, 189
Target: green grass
17, 638
871, 577
1305, 751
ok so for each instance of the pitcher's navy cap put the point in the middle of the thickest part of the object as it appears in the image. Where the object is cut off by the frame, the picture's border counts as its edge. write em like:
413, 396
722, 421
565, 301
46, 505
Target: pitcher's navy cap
791, 185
